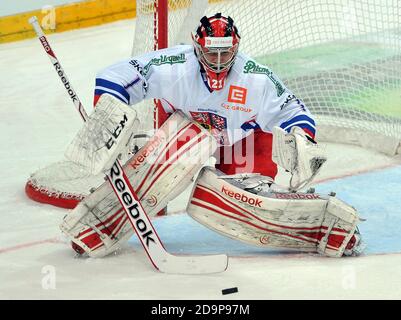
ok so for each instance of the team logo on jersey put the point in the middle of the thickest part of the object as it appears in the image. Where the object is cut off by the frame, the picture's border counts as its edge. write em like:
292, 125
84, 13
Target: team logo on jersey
217, 125
202, 117
237, 95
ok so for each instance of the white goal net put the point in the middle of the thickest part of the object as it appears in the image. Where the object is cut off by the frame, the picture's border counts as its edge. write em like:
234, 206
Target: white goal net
341, 57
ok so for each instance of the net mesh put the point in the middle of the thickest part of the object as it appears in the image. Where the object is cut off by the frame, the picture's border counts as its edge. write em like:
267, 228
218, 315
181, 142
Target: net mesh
342, 57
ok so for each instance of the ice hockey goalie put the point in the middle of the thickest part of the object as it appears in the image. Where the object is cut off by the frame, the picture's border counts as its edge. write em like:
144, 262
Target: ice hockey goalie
244, 207
256, 124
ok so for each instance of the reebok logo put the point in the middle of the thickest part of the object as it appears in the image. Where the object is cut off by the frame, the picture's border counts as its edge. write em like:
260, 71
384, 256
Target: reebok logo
66, 83
298, 196
131, 204
242, 197
145, 152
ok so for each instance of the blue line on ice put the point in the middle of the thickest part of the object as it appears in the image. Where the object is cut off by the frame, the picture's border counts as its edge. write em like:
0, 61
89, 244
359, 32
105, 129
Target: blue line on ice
376, 195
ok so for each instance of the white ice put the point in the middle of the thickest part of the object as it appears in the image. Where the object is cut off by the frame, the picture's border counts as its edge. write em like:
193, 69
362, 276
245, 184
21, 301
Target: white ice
37, 122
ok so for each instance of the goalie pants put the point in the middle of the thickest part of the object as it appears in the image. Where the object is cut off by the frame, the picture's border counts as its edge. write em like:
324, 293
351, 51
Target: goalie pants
252, 154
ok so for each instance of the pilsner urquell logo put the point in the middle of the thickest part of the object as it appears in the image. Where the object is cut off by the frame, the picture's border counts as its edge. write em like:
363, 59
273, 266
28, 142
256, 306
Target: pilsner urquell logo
165, 60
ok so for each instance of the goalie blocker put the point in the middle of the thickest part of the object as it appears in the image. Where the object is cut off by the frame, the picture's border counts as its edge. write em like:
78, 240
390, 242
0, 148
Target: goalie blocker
304, 221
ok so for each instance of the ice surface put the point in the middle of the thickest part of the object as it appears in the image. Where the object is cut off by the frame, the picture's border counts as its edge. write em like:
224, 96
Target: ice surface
38, 121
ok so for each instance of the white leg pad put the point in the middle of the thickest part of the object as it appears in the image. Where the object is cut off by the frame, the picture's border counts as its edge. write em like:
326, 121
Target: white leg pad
159, 172
302, 221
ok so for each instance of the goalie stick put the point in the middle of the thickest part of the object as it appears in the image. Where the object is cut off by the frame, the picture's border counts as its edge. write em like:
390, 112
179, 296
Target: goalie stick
160, 258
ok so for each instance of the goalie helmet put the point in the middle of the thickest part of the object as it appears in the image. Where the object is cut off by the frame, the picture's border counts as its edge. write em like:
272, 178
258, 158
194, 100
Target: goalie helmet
216, 44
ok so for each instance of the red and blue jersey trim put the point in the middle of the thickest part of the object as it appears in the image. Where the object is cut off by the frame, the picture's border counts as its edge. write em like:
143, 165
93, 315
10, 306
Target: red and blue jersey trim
303, 121
116, 90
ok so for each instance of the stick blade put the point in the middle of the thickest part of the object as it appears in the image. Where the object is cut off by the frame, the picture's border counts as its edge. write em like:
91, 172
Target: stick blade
193, 264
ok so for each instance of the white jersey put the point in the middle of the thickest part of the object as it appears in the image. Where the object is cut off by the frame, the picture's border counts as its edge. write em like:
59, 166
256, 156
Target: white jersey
252, 98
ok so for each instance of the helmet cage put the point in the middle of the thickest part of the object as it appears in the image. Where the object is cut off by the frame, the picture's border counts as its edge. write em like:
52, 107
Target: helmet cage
217, 59
216, 42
